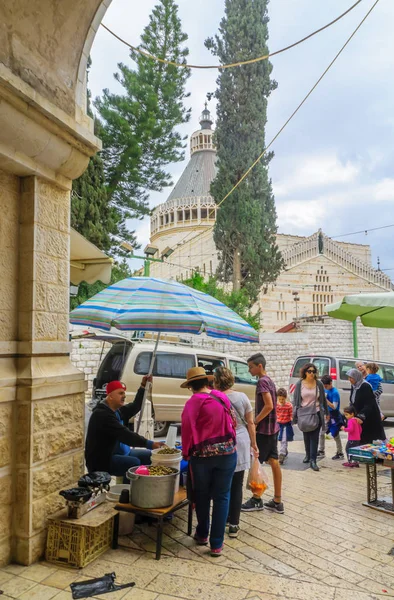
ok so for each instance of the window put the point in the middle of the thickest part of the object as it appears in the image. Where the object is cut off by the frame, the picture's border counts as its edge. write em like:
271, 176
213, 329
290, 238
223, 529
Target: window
241, 373
210, 363
388, 373
344, 367
167, 364
322, 365
299, 364
111, 369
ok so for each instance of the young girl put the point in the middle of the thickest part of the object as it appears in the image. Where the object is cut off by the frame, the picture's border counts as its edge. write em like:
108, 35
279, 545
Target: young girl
284, 412
354, 434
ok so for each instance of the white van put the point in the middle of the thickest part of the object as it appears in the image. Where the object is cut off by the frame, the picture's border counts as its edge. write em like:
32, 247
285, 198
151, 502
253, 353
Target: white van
127, 360
337, 368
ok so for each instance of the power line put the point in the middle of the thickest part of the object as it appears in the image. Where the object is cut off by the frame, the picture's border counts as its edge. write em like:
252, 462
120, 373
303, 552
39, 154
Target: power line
361, 231
237, 64
288, 120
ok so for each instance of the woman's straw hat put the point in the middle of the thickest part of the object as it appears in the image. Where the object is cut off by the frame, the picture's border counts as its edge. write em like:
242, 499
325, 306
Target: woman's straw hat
194, 374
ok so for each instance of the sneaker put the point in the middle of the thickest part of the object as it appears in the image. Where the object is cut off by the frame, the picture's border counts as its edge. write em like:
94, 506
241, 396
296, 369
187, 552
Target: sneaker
233, 531
275, 506
282, 458
337, 456
200, 541
216, 551
347, 464
354, 464
321, 454
252, 504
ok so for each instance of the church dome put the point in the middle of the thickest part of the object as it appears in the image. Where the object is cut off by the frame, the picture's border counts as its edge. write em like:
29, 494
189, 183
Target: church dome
190, 204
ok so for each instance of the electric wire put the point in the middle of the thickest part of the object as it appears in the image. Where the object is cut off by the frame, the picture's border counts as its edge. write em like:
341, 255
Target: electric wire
231, 65
286, 123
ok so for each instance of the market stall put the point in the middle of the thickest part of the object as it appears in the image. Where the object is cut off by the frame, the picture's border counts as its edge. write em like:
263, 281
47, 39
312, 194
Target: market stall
374, 455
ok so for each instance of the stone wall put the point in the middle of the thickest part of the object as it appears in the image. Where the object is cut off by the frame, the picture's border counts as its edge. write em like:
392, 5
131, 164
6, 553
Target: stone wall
319, 335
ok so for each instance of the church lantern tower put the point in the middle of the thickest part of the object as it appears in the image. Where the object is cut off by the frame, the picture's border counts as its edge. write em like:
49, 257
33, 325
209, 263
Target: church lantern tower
190, 206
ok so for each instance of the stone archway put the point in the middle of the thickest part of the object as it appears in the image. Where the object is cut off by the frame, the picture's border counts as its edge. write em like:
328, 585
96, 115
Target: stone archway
46, 140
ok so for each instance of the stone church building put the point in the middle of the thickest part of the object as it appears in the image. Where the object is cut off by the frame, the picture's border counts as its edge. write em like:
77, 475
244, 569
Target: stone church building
318, 269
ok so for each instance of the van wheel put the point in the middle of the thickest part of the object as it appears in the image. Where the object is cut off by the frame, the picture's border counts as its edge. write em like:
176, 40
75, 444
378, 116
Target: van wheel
161, 428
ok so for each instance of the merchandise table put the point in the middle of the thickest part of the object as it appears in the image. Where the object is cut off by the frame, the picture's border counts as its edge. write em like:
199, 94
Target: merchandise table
373, 501
159, 514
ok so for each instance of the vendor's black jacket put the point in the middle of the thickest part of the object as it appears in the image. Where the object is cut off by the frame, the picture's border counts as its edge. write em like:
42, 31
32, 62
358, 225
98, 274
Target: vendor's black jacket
105, 430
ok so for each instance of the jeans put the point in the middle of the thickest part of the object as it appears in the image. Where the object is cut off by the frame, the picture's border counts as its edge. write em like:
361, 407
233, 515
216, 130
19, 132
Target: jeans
311, 441
234, 510
120, 464
212, 478
283, 445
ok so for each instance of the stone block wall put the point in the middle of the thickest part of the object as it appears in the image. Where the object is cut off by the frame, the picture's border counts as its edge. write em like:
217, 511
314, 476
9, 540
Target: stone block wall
319, 335
86, 355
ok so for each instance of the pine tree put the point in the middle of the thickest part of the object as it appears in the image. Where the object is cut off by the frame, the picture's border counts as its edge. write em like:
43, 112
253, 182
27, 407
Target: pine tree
245, 228
91, 214
139, 135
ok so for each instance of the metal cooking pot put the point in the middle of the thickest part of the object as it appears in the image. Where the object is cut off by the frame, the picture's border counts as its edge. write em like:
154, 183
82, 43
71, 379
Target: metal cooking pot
151, 491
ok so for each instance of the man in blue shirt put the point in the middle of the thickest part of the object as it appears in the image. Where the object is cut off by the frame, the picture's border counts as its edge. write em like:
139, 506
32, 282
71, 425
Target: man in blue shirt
336, 421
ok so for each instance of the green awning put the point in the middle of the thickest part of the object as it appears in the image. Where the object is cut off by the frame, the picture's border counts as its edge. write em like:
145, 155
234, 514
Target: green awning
374, 310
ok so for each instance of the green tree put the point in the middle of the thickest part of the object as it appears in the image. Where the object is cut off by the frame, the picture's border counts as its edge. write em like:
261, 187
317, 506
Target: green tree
120, 270
245, 228
139, 126
91, 213
238, 301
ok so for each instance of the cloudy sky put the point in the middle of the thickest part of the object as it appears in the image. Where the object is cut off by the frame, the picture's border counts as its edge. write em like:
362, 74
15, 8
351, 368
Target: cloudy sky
334, 164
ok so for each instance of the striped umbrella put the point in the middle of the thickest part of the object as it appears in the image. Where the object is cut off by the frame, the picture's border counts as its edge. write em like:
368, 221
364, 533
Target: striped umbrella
152, 304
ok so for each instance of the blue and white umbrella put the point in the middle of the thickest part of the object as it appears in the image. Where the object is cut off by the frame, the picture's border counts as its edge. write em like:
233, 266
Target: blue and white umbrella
152, 304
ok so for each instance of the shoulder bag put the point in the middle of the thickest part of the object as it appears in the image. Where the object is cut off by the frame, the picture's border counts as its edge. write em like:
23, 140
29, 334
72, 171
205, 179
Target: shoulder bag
308, 418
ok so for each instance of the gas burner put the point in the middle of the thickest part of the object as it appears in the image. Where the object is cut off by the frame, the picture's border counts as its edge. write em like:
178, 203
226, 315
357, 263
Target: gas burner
91, 492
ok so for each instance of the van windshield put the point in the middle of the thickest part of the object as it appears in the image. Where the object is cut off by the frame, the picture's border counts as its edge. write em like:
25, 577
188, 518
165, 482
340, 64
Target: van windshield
111, 369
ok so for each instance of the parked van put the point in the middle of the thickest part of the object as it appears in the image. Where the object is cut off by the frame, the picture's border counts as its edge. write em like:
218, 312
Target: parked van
337, 368
127, 360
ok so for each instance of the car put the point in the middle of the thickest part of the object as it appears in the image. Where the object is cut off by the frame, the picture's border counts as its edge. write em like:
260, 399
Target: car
127, 360
337, 367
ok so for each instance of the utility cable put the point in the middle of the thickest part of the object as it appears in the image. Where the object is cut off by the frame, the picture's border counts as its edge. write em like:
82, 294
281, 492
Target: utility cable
231, 65
335, 237
288, 120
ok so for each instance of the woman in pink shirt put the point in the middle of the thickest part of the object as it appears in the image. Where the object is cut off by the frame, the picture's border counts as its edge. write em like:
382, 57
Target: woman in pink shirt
353, 430
208, 442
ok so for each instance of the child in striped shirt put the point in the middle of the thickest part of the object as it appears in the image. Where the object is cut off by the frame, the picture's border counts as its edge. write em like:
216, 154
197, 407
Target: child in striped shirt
284, 413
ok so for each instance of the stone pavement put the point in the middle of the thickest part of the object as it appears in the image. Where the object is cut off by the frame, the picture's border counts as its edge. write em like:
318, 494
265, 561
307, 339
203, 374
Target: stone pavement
326, 546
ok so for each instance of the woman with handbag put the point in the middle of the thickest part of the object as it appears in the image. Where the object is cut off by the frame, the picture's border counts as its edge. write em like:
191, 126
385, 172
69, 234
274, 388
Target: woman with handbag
209, 443
246, 440
310, 411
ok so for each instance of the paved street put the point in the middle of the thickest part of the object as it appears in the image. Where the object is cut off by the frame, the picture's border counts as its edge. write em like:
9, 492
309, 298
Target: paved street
326, 546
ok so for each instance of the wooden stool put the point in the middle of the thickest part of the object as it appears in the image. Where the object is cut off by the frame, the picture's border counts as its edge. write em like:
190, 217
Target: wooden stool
180, 501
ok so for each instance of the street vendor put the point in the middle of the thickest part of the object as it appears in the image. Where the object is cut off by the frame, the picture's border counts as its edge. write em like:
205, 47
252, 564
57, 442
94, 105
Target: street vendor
108, 439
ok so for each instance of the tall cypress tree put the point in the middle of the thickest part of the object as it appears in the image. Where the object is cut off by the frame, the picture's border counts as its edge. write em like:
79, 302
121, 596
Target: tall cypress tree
245, 228
139, 126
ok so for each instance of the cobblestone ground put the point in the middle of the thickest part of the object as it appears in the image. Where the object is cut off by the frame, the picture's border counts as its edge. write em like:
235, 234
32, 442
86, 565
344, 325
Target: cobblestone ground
326, 546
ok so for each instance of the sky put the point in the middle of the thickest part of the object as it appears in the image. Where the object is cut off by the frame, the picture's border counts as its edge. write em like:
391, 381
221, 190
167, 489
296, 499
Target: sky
334, 163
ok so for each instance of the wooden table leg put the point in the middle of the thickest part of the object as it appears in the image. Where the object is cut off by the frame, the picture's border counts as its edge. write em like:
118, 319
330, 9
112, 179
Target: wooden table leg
115, 534
159, 538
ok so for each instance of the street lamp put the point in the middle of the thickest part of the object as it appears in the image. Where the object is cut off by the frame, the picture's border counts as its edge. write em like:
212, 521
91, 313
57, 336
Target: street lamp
296, 299
149, 251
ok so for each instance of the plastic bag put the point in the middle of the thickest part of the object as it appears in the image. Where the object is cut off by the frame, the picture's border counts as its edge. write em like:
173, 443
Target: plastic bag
257, 479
